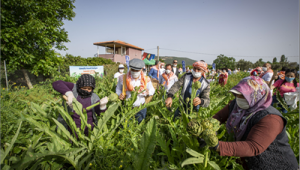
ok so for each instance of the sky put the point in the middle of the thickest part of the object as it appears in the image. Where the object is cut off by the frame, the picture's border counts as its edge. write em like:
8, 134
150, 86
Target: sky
196, 29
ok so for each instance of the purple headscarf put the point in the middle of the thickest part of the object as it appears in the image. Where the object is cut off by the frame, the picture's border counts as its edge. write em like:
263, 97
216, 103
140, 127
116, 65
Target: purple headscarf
258, 95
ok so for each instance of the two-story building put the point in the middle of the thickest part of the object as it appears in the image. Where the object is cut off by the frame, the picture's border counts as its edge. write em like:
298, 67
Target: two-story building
116, 50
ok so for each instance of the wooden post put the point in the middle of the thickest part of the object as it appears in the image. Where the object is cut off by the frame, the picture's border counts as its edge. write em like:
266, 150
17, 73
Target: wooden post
114, 51
158, 53
6, 75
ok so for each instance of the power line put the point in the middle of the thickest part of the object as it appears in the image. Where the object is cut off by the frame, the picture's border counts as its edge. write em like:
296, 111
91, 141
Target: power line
237, 56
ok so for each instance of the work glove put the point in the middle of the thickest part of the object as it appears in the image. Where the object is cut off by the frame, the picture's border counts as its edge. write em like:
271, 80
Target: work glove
103, 103
70, 97
202, 144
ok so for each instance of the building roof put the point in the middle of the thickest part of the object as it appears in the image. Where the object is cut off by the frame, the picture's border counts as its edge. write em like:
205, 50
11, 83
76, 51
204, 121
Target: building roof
117, 43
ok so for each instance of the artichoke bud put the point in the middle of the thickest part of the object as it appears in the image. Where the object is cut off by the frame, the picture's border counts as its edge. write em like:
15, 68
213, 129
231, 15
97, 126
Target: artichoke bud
196, 85
207, 132
215, 123
211, 140
206, 124
187, 99
194, 127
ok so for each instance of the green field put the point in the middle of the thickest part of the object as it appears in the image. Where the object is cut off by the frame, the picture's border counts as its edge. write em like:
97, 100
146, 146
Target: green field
29, 138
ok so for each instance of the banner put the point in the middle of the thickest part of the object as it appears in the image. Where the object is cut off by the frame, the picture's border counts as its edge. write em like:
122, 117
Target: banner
183, 66
144, 55
127, 60
214, 66
152, 56
77, 71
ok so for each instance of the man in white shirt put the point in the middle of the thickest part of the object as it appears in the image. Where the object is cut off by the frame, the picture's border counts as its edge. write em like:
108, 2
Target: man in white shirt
120, 71
135, 78
168, 78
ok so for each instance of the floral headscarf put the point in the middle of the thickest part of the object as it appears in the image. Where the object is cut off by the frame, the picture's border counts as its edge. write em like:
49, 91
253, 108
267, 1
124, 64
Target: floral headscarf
258, 95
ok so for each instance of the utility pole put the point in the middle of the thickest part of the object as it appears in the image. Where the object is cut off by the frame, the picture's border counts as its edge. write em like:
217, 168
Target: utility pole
158, 53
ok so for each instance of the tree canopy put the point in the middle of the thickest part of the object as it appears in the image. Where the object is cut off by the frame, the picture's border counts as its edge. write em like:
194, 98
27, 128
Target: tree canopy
223, 61
31, 30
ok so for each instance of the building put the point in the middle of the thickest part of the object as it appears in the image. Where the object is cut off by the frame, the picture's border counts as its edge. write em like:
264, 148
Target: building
116, 50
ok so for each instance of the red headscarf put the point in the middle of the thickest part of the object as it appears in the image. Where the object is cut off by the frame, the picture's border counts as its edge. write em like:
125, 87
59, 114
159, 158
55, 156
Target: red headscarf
202, 65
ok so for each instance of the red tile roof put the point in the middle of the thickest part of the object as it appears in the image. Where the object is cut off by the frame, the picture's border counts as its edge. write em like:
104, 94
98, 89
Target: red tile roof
117, 43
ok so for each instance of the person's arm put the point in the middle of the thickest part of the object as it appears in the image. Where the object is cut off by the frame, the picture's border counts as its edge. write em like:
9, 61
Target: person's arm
176, 86
62, 86
259, 138
204, 97
151, 72
119, 86
150, 88
276, 84
223, 114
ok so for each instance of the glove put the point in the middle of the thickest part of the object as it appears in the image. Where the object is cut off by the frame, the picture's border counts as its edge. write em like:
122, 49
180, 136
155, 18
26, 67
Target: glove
103, 103
202, 144
70, 96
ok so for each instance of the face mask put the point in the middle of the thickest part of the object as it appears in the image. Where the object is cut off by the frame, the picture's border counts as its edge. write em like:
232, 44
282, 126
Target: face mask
289, 79
224, 71
196, 74
242, 103
264, 68
121, 71
168, 71
135, 74
175, 65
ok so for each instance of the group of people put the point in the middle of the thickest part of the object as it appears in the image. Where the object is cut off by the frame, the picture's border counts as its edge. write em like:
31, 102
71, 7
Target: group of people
258, 128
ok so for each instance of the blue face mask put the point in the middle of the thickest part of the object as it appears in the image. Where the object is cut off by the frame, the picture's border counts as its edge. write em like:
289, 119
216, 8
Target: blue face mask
289, 79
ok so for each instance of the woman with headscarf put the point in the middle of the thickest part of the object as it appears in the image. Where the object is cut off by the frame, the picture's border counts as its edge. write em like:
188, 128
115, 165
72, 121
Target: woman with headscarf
202, 96
223, 77
154, 71
83, 92
257, 127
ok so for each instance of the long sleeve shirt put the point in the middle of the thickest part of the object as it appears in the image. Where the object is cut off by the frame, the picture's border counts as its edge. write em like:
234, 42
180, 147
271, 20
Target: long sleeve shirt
153, 73
63, 87
140, 97
171, 82
258, 140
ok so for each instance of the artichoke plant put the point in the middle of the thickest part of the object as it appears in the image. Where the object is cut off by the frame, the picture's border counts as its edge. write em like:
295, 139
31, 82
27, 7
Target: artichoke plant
211, 140
196, 85
207, 132
206, 124
113, 97
194, 127
215, 123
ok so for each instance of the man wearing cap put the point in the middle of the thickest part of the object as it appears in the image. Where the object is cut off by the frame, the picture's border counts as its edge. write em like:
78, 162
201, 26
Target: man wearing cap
202, 99
135, 78
154, 71
174, 68
120, 71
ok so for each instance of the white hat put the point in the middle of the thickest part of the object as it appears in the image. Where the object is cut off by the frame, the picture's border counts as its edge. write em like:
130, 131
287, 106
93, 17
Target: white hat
121, 66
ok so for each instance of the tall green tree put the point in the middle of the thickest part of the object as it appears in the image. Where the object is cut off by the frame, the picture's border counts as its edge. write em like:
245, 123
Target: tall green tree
31, 30
274, 60
223, 61
283, 59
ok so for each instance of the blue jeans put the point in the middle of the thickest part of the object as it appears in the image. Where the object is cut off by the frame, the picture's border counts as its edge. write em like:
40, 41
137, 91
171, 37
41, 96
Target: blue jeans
278, 104
141, 115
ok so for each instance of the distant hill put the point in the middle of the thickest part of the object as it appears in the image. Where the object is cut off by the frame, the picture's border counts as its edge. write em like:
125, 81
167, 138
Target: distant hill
169, 60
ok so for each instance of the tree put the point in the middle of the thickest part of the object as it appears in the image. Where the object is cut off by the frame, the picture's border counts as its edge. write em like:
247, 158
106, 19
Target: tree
31, 30
274, 60
283, 59
224, 62
244, 65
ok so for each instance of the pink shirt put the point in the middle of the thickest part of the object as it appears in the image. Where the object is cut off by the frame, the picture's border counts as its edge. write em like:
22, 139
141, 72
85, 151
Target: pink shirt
286, 87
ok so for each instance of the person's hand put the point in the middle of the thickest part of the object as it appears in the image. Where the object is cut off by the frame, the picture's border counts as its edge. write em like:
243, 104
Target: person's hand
169, 102
146, 92
196, 101
103, 103
121, 97
70, 96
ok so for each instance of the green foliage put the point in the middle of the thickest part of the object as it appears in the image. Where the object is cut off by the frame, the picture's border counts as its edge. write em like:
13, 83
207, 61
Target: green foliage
31, 31
224, 62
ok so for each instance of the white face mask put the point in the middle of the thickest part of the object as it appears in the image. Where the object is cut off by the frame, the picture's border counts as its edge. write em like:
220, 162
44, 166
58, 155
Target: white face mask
242, 103
264, 68
168, 71
121, 70
224, 71
135, 74
196, 74
174, 65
